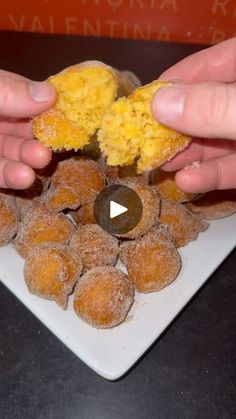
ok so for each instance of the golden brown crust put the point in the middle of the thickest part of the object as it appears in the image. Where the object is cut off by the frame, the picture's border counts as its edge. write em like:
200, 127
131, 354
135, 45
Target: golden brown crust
152, 261
84, 214
215, 204
126, 173
41, 226
151, 208
82, 175
51, 271
167, 188
182, 225
95, 246
60, 198
103, 297
9, 218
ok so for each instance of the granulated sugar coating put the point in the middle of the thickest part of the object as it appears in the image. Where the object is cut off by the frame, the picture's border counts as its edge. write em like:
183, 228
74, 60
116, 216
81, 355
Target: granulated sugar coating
183, 226
167, 188
82, 175
24, 198
152, 261
84, 214
60, 198
95, 246
41, 226
51, 271
103, 297
9, 218
130, 132
215, 204
151, 207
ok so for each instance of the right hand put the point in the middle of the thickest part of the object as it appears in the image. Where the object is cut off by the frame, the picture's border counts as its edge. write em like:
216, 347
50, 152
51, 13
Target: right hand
203, 106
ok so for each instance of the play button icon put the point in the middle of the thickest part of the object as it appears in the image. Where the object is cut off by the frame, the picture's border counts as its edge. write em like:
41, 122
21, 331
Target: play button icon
118, 209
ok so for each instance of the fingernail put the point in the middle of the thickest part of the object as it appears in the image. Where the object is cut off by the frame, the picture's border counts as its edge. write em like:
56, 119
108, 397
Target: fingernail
168, 103
40, 91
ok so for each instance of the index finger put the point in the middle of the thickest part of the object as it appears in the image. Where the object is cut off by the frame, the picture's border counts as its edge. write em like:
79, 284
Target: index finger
217, 63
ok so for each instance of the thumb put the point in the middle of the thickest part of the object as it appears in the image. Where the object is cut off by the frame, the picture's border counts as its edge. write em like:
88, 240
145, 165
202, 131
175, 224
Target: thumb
23, 98
206, 110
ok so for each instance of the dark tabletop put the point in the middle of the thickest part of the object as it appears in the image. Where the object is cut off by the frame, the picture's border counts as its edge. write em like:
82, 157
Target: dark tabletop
189, 372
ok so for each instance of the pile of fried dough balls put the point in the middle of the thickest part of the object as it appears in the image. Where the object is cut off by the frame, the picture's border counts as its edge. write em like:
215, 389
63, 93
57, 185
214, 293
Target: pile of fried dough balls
52, 225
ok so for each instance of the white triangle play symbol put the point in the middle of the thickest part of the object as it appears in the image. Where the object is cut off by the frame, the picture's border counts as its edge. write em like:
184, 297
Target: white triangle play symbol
116, 209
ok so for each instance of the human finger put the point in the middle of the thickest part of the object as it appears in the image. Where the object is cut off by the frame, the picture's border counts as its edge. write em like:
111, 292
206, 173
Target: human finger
208, 176
216, 63
15, 175
23, 98
30, 152
12, 75
205, 110
201, 150
16, 126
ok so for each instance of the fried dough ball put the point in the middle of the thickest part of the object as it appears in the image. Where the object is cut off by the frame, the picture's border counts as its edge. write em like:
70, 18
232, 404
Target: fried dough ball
60, 198
182, 225
151, 207
24, 198
152, 261
84, 214
82, 175
84, 92
114, 173
215, 204
128, 82
91, 150
95, 246
103, 297
42, 226
51, 271
167, 188
129, 131
9, 218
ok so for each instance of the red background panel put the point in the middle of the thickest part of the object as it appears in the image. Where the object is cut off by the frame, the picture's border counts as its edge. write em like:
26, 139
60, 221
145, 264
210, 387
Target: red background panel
202, 21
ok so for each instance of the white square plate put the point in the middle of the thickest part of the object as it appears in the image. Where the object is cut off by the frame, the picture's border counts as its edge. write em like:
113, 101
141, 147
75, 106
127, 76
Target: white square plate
112, 352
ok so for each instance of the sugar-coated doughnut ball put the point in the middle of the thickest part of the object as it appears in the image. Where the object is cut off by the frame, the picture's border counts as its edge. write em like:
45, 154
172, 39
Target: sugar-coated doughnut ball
95, 246
152, 261
25, 198
150, 205
114, 173
182, 225
60, 198
51, 271
9, 218
103, 296
84, 214
41, 226
167, 188
82, 175
214, 204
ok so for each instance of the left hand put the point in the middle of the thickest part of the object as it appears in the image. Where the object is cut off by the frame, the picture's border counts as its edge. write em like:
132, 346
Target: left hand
21, 98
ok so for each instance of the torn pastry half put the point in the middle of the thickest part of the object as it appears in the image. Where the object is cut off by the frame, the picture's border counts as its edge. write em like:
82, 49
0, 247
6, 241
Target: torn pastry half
85, 92
129, 132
